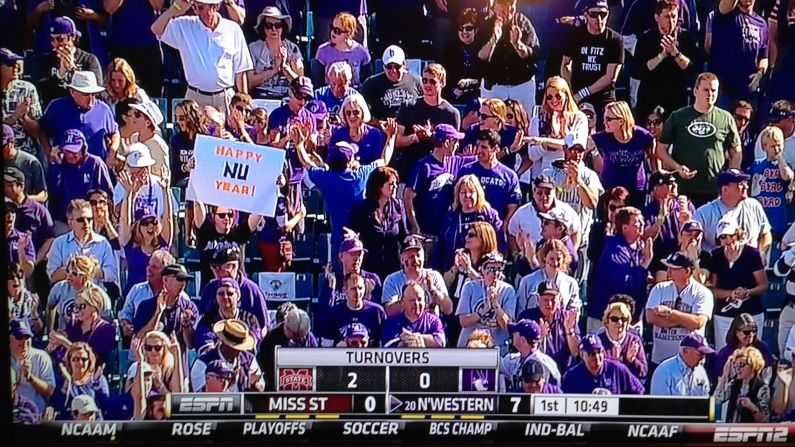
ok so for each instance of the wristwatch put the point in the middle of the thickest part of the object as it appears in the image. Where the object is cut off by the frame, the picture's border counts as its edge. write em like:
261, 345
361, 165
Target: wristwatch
676, 54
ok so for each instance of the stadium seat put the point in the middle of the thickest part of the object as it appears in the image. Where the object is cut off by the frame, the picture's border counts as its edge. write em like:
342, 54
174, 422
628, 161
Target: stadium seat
277, 287
776, 295
304, 286
313, 201
323, 252
303, 247
162, 104
268, 104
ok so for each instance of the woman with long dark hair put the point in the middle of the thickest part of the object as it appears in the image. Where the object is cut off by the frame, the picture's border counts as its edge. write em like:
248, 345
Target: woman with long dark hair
191, 122
380, 221
742, 334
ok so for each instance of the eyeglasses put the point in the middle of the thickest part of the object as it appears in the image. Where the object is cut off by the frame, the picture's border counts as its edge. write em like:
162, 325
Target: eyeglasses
558, 96
492, 269
98, 202
749, 332
393, 66
353, 112
484, 116
336, 30
431, 81
615, 319
597, 14
149, 221
742, 118
243, 110
612, 118
272, 26
471, 234
84, 219
59, 38
467, 28
156, 348
228, 215
655, 122
80, 359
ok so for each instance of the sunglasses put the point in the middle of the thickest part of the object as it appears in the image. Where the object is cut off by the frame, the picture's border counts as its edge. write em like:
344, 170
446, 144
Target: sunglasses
272, 26
243, 110
749, 332
84, 219
336, 30
180, 117
467, 28
98, 202
431, 81
558, 96
353, 112
484, 116
610, 119
741, 365
655, 122
471, 234
393, 66
597, 14
58, 39
80, 359
228, 215
615, 319
543, 192
73, 273
148, 221
492, 269
509, 116
742, 118
724, 236
150, 348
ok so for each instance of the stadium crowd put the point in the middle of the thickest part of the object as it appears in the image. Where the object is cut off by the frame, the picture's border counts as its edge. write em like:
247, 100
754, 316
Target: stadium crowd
602, 190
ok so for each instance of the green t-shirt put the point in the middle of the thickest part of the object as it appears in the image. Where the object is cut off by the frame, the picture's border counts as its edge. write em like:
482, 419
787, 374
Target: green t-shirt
700, 141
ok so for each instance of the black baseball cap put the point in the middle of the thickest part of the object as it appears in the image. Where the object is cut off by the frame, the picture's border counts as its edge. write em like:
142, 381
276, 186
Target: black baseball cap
178, 271
532, 371
225, 254
662, 178
13, 174
411, 242
543, 181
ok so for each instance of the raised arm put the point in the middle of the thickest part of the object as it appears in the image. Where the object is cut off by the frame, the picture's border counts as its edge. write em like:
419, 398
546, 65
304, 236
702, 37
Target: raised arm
390, 130
168, 221
178, 8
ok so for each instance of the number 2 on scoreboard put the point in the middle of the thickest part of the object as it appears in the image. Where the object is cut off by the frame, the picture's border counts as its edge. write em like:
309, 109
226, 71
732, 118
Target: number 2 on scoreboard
354, 377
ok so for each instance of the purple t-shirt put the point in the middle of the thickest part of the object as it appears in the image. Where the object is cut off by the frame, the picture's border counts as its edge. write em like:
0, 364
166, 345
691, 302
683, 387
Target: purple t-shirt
97, 124
500, 184
137, 261
67, 182
328, 298
723, 356
356, 57
615, 377
12, 247
370, 146
372, 316
32, 216
739, 41
101, 338
770, 190
427, 324
171, 320
270, 228
432, 182
556, 344
623, 162
278, 120
251, 299
137, 16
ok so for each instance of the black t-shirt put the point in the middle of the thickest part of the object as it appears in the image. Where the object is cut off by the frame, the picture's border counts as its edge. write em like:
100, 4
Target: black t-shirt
590, 56
50, 87
418, 112
209, 240
385, 97
505, 66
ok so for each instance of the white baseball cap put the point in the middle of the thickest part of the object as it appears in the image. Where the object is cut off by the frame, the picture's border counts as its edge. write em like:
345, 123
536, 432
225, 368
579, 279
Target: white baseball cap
727, 226
394, 55
139, 156
83, 403
133, 370
208, 2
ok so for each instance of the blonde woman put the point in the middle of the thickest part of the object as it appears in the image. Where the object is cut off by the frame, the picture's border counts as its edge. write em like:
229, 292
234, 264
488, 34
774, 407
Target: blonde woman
86, 326
493, 115
120, 83
742, 386
622, 150
164, 355
469, 206
620, 342
342, 47
80, 272
558, 117
80, 375
553, 258
355, 115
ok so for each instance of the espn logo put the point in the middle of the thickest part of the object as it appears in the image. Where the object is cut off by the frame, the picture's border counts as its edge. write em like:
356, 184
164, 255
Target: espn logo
205, 404
757, 434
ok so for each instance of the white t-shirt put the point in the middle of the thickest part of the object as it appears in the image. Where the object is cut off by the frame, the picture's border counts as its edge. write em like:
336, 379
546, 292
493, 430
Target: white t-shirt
210, 58
527, 298
473, 299
150, 194
526, 220
571, 195
542, 158
695, 299
749, 214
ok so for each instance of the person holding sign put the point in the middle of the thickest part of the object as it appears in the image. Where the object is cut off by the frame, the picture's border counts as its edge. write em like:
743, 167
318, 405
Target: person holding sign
340, 180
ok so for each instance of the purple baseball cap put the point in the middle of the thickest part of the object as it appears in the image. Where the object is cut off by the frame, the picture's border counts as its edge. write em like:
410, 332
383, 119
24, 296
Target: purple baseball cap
20, 329
73, 140
8, 134
142, 212
342, 151
229, 282
64, 25
8, 57
318, 109
692, 225
444, 132
352, 245
697, 342
591, 343
356, 330
528, 329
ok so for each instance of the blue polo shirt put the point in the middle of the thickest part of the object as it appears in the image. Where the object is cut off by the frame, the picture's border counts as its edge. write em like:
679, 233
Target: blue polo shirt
68, 182
614, 377
97, 123
674, 378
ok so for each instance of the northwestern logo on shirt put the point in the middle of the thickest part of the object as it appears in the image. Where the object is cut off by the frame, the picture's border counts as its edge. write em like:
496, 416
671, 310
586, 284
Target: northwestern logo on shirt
395, 97
701, 129
441, 181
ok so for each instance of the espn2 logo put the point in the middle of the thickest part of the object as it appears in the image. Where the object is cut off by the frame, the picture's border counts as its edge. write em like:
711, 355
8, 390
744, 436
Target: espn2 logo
758, 434
205, 404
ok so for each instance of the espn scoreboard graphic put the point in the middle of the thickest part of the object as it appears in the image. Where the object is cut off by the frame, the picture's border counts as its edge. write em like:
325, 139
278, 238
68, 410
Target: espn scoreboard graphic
380, 370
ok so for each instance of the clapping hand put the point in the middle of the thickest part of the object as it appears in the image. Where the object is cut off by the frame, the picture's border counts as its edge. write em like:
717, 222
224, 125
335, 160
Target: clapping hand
137, 348
22, 109
648, 251
423, 132
165, 177
98, 373
686, 173
569, 319
391, 127
516, 35
214, 115
633, 350
24, 241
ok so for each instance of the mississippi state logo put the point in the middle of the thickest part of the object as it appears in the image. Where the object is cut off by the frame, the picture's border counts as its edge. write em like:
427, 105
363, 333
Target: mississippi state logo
701, 129
296, 379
